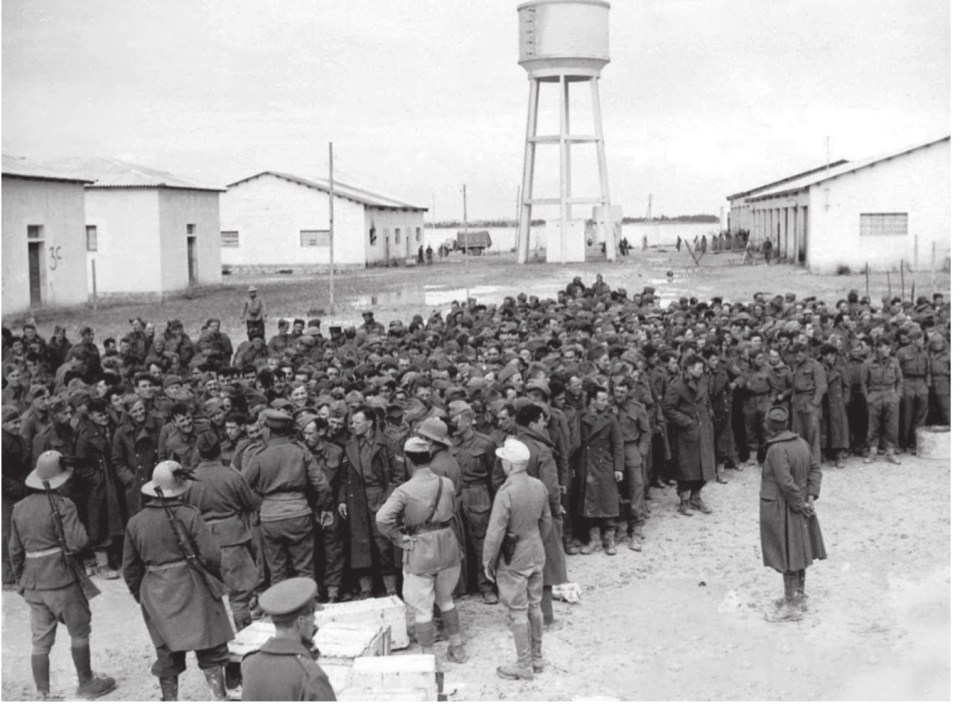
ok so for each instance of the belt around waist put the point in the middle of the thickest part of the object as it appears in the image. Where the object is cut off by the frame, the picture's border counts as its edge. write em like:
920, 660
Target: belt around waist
286, 496
431, 526
166, 566
880, 388
475, 482
44, 553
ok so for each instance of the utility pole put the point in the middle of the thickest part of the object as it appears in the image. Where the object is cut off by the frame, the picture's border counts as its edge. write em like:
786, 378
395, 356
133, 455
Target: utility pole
330, 148
466, 246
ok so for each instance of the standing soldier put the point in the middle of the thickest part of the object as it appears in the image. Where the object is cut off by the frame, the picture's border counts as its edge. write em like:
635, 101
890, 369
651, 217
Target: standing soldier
635, 429
474, 453
600, 471
227, 505
16, 466
857, 410
134, 448
835, 426
915, 367
940, 377
283, 669
374, 470
790, 538
809, 386
756, 402
171, 564
687, 408
254, 314
291, 485
883, 382
45, 534
719, 387
513, 554
418, 517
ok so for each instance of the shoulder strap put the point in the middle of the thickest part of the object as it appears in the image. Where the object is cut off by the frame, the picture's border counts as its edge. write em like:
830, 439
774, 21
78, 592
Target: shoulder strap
436, 499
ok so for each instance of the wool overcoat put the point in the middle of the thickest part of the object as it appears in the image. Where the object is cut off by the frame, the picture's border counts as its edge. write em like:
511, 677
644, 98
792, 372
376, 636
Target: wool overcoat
542, 465
686, 406
601, 454
789, 541
834, 424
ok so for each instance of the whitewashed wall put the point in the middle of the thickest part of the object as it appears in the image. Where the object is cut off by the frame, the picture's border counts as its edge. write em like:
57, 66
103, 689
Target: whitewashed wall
59, 208
917, 183
128, 257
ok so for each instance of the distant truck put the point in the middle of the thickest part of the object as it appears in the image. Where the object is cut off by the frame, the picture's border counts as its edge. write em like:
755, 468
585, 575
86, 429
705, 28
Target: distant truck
475, 241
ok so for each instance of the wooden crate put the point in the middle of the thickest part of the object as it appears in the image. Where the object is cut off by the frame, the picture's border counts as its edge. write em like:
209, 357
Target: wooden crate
388, 612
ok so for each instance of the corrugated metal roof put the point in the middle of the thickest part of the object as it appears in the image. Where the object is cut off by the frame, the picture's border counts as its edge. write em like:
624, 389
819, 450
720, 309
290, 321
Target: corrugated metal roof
765, 186
340, 189
820, 177
25, 168
116, 173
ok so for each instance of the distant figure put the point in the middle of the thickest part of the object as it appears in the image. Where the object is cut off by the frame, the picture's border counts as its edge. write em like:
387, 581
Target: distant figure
767, 251
254, 314
679, 242
645, 243
420, 256
429, 254
624, 247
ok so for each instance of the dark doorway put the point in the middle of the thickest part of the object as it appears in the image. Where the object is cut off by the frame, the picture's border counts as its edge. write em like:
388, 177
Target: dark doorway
802, 238
35, 257
192, 260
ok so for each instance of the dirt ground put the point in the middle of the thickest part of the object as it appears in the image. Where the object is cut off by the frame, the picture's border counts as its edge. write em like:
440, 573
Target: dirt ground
684, 619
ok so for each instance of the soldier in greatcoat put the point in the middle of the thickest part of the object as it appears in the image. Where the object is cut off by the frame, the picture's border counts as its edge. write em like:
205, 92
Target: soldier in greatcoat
790, 538
521, 516
134, 448
687, 409
600, 470
375, 468
181, 607
16, 467
45, 579
284, 669
835, 429
418, 517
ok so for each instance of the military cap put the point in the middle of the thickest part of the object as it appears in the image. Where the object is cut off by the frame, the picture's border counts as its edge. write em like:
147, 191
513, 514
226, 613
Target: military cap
353, 397
416, 444
207, 441
283, 404
212, 405
171, 380
277, 420
457, 407
827, 349
368, 314
10, 413
777, 414
378, 402
394, 410
538, 385
86, 329
288, 597
915, 332
306, 340
434, 429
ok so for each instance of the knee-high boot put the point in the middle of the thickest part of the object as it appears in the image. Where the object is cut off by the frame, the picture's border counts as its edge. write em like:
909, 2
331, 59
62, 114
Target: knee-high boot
40, 666
522, 669
426, 634
536, 640
451, 624
215, 681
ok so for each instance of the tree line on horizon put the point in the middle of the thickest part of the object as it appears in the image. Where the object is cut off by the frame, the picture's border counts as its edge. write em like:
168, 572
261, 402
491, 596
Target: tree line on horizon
508, 222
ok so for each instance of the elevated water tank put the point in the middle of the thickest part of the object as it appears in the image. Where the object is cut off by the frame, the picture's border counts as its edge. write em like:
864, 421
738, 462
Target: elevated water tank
564, 37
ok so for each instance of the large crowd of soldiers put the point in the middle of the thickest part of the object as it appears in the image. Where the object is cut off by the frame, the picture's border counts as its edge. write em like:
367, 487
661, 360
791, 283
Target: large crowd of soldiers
613, 395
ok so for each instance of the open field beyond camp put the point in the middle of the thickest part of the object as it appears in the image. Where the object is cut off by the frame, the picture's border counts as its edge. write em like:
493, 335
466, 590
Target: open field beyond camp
683, 619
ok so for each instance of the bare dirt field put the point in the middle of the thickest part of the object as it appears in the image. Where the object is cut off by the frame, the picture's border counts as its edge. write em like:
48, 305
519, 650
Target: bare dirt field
684, 619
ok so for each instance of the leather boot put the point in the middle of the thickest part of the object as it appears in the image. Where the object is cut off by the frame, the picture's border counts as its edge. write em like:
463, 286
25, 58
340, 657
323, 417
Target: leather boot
570, 547
103, 566
451, 624
333, 595
684, 507
610, 541
522, 669
90, 687
390, 584
892, 457
871, 457
426, 634
215, 681
536, 640
752, 460
621, 535
697, 503
169, 688
720, 479
802, 589
635, 542
594, 544
40, 666
546, 605
366, 587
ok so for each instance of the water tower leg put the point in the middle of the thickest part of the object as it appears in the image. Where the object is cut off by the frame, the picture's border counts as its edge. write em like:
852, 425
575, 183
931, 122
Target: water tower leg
529, 154
608, 230
565, 184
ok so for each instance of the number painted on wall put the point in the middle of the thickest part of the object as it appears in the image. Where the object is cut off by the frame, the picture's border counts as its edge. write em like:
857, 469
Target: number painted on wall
55, 257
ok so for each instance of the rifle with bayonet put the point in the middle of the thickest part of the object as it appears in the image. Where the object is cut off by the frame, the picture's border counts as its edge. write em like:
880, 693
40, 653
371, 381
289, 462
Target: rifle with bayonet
87, 586
214, 586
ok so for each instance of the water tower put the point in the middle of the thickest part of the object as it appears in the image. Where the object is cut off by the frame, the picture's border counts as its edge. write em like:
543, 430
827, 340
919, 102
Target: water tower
564, 42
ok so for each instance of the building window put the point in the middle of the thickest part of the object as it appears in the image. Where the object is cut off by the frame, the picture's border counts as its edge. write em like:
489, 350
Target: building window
419, 234
230, 238
91, 238
396, 236
373, 235
314, 238
883, 224
34, 232
191, 229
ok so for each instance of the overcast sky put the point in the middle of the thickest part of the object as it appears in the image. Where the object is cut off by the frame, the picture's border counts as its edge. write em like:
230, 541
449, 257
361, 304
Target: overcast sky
702, 98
